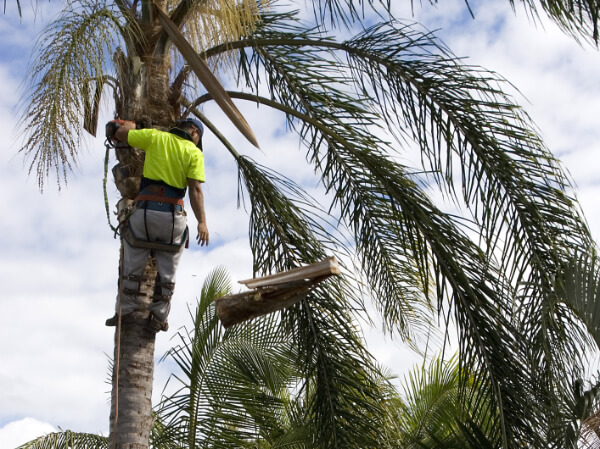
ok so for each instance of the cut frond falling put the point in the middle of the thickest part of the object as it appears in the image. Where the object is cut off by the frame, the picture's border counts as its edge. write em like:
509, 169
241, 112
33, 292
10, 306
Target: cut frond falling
70, 59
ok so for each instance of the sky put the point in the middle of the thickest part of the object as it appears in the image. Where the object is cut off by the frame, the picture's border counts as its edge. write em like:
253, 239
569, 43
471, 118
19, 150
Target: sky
58, 257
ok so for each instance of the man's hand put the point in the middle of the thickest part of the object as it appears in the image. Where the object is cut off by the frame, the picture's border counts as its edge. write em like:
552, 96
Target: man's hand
123, 130
197, 202
202, 236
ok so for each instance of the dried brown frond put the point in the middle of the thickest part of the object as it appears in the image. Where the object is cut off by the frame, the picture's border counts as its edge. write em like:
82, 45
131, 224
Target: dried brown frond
215, 22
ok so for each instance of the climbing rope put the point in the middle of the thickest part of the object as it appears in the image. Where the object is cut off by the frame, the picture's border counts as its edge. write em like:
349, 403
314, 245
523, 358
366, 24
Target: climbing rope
104, 182
118, 351
108, 146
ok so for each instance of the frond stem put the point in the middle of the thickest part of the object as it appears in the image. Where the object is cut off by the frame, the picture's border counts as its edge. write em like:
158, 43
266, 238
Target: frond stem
191, 107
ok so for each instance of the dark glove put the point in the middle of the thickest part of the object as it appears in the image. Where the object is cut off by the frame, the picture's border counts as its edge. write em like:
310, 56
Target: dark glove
111, 129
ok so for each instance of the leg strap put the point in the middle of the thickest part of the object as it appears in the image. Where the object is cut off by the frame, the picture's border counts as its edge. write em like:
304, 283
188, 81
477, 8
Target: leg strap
135, 279
132, 278
132, 291
162, 298
159, 290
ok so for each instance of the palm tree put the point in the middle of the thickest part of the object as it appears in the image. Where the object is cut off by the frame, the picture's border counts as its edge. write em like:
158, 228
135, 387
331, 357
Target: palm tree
355, 105
246, 386
431, 414
236, 388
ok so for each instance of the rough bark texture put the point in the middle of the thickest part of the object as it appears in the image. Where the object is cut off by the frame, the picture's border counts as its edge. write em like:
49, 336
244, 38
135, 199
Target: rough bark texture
133, 369
234, 309
131, 411
145, 97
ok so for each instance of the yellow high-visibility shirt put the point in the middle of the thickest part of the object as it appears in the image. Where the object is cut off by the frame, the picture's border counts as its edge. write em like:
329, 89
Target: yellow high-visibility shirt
169, 158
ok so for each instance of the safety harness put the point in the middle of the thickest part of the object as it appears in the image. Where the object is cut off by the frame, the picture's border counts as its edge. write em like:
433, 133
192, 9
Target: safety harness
160, 196
156, 195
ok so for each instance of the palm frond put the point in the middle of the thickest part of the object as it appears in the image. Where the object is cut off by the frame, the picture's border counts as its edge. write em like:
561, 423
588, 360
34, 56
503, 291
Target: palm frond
282, 227
590, 437
342, 391
471, 135
205, 75
511, 183
234, 384
209, 23
330, 117
578, 287
347, 12
578, 18
432, 412
72, 56
193, 356
18, 7
69, 439
339, 375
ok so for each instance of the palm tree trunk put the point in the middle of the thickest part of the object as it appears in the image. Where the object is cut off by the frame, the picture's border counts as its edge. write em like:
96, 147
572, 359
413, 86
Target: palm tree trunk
133, 374
145, 96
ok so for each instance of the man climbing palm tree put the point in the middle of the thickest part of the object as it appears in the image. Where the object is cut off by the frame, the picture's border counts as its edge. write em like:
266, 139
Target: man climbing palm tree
158, 224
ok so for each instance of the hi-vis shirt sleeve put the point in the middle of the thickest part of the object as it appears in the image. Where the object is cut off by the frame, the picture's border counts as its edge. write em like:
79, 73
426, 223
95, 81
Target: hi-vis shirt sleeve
196, 167
140, 138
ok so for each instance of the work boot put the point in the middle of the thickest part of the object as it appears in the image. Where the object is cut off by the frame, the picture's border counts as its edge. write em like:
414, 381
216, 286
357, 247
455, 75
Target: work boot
157, 325
114, 320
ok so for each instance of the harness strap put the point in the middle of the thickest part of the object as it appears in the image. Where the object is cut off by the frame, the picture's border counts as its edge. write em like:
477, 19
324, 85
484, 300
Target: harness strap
162, 298
132, 291
172, 223
146, 224
160, 199
132, 277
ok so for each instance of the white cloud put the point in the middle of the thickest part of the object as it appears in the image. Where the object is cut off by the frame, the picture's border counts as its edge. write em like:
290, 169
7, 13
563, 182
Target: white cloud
18, 432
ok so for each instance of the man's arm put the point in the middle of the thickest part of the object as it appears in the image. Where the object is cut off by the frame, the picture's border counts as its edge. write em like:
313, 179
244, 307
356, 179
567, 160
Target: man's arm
197, 202
123, 131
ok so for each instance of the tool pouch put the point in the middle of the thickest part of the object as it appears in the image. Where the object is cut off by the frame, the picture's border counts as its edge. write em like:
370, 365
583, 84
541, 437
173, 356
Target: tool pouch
137, 242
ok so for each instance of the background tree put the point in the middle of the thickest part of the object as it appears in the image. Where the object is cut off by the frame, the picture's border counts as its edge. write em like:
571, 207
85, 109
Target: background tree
389, 80
238, 388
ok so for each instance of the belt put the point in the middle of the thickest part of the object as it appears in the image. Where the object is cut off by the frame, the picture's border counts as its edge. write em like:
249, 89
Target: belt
160, 199
159, 206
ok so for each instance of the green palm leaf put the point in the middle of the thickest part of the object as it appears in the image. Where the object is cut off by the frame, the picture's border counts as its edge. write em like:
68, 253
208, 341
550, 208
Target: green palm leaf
72, 58
401, 64
67, 439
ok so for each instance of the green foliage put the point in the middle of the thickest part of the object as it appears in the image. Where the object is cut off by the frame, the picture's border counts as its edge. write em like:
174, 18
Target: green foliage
431, 413
73, 59
67, 439
251, 387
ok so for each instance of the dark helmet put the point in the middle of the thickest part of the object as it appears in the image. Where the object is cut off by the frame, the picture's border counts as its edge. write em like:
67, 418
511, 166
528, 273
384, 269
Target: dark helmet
197, 124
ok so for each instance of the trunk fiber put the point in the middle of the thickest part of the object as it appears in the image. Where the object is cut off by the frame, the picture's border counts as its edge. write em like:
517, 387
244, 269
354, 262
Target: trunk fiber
146, 97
